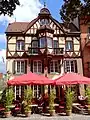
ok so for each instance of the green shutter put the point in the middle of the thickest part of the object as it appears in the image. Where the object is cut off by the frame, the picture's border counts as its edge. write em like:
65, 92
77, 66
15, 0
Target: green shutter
13, 67
25, 66
42, 66
31, 64
59, 66
76, 66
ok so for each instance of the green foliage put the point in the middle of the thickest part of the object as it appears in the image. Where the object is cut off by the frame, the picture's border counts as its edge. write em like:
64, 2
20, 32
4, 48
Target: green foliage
28, 95
51, 99
87, 92
69, 99
7, 98
73, 8
8, 6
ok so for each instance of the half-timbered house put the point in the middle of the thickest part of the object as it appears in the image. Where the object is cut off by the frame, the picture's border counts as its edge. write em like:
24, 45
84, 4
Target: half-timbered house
43, 46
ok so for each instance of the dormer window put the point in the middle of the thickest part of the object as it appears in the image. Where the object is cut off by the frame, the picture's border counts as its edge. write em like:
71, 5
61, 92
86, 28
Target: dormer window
44, 22
20, 45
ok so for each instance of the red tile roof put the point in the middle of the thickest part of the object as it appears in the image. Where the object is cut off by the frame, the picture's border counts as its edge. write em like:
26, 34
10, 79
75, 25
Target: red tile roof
19, 26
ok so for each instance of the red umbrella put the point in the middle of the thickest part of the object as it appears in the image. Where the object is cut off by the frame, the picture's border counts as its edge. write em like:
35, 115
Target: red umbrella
30, 78
72, 78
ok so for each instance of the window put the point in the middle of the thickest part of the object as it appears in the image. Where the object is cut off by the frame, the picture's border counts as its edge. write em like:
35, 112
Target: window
42, 42
69, 66
54, 66
69, 45
88, 30
55, 46
20, 67
44, 22
88, 66
36, 90
18, 92
20, 45
35, 46
49, 42
37, 66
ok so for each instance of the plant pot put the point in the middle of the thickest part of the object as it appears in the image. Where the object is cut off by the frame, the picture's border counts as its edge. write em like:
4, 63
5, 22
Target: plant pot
52, 112
89, 109
28, 113
68, 112
7, 114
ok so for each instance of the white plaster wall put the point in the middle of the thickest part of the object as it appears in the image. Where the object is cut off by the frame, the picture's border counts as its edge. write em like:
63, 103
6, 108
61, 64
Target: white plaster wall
9, 63
79, 66
12, 40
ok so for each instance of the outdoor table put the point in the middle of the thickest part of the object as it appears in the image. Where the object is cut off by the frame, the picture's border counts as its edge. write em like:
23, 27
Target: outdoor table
11, 106
79, 107
34, 108
75, 104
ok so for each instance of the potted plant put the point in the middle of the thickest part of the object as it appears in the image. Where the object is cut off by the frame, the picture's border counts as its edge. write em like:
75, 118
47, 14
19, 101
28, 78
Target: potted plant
69, 101
87, 92
51, 102
8, 97
28, 95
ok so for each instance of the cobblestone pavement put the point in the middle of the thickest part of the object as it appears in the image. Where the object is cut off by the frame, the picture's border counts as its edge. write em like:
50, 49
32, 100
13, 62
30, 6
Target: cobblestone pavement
56, 117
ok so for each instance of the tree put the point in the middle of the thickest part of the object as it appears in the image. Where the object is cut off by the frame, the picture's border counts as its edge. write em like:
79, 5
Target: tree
73, 8
8, 6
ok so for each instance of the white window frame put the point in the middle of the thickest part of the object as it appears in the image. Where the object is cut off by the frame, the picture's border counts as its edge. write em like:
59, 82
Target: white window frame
54, 71
37, 71
17, 91
36, 90
35, 46
21, 43
68, 68
20, 66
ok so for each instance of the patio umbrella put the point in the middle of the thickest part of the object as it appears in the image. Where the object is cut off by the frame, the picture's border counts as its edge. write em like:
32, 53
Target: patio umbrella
72, 78
30, 78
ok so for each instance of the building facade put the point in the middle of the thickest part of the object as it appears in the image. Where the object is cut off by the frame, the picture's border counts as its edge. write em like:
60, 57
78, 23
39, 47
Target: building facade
43, 46
85, 44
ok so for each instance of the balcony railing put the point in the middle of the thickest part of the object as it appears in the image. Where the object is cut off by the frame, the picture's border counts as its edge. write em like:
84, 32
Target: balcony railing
37, 51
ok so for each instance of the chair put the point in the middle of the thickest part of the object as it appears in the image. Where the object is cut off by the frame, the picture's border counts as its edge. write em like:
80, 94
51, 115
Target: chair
2, 109
16, 110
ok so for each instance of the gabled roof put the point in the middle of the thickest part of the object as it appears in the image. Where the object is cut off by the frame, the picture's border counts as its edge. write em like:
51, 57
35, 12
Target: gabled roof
23, 27
19, 26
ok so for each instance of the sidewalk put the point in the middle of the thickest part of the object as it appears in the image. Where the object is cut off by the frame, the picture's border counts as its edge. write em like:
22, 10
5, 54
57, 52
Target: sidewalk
56, 117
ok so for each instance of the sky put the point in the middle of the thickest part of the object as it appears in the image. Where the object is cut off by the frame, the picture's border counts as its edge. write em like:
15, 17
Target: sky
20, 14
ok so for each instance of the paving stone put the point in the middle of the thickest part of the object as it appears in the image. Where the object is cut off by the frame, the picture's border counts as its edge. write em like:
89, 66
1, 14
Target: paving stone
56, 117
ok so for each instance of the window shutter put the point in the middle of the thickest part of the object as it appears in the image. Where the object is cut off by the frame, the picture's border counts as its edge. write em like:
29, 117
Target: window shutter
42, 66
48, 66
76, 66
59, 66
13, 67
65, 69
25, 66
31, 64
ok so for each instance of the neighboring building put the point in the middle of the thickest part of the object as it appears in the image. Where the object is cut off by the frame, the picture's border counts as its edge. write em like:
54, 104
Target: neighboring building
85, 44
43, 46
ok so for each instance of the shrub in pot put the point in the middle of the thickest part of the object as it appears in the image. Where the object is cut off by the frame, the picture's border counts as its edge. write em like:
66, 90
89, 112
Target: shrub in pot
7, 98
69, 100
51, 102
28, 95
87, 92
